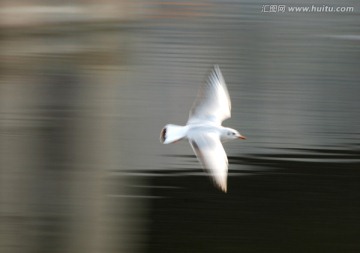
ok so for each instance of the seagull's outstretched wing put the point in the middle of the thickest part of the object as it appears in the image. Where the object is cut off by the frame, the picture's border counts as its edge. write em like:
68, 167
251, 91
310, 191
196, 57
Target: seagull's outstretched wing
212, 104
211, 154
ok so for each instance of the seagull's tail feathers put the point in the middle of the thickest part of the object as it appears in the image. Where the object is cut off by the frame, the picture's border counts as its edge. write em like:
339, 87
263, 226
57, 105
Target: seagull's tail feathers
172, 133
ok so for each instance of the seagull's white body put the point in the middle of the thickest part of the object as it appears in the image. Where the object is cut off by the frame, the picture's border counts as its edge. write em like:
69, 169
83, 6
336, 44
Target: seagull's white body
204, 130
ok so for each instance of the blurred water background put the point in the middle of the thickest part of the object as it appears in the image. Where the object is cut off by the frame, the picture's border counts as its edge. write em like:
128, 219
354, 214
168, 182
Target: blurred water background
86, 87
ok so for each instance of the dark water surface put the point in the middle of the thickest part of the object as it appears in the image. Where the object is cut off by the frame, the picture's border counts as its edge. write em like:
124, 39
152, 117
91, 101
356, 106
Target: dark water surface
82, 109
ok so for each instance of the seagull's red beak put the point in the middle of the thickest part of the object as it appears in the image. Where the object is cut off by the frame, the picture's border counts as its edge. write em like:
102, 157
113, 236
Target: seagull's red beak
242, 137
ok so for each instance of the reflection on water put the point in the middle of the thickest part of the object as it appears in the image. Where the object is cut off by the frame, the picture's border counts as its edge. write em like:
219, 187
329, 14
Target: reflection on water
83, 99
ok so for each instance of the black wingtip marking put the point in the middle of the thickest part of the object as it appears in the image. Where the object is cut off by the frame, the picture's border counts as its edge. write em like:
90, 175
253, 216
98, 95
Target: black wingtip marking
163, 135
195, 145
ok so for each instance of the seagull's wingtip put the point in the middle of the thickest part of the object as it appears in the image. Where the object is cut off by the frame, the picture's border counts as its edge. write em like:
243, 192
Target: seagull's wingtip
222, 186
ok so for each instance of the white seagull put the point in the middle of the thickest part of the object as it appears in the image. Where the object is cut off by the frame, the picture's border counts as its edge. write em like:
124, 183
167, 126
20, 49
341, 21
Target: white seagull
204, 130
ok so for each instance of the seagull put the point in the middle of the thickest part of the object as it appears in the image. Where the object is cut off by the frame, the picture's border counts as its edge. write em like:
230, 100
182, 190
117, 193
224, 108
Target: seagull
203, 129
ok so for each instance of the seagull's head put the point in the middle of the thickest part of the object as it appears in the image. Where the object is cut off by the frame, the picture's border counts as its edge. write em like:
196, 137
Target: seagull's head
231, 134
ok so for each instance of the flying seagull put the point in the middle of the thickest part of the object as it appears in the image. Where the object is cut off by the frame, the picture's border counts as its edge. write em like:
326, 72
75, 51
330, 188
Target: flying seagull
204, 130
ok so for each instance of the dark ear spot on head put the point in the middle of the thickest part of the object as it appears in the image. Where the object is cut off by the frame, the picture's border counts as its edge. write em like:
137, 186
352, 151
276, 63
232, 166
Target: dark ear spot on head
163, 135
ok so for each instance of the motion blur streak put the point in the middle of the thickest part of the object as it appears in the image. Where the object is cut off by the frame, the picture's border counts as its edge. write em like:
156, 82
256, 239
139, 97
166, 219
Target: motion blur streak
85, 87
60, 78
